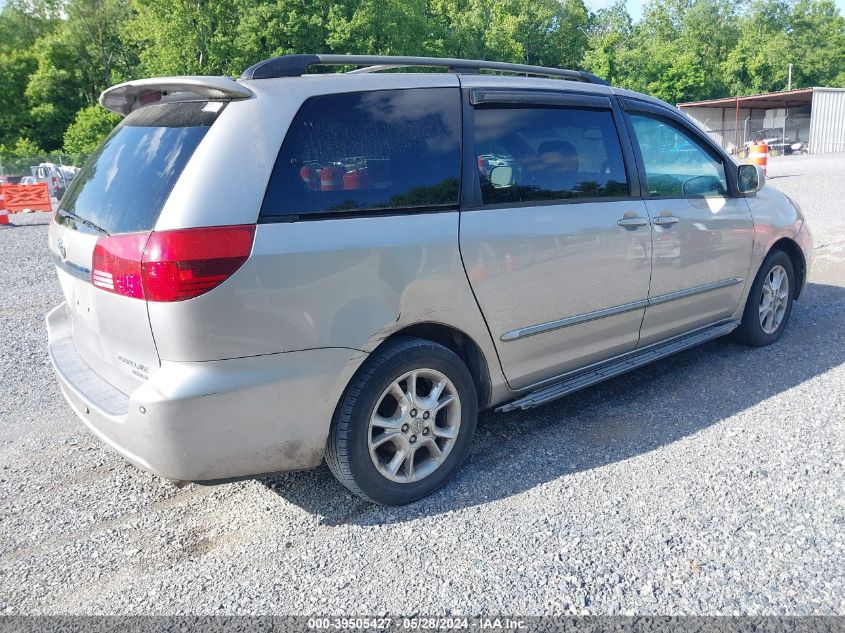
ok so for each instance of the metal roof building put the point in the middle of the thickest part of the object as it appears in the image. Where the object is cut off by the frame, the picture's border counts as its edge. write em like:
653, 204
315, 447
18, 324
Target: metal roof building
815, 116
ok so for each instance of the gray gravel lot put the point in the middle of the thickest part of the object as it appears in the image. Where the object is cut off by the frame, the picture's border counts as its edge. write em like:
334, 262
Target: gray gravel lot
710, 483
816, 183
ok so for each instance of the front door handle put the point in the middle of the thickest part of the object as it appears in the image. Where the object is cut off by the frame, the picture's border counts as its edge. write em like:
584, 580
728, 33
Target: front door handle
632, 222
664, 219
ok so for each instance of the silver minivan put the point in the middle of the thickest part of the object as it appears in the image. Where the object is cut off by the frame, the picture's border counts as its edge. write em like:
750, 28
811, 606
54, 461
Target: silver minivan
263, 273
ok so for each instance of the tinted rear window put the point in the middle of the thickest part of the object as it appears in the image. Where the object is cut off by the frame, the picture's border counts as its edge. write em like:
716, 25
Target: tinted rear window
368, 151
126, 181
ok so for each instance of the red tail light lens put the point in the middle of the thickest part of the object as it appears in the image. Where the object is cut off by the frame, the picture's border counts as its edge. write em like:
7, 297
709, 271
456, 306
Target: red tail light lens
117, 264
183, 264
170, 265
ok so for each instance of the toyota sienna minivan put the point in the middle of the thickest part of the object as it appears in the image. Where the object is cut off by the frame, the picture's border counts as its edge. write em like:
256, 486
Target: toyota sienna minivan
263, 273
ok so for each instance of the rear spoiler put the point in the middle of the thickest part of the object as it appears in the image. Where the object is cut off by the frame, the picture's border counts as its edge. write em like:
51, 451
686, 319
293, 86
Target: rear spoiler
131, 95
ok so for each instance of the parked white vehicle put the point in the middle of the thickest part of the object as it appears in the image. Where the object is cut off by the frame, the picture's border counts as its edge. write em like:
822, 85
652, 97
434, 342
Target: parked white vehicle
56, 176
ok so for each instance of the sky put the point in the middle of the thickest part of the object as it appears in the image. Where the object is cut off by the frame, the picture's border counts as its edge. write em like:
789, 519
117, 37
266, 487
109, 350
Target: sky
635, 7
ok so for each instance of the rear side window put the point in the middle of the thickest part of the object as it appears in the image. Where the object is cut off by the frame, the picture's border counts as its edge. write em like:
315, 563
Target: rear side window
369, 151
527, 154
126, 181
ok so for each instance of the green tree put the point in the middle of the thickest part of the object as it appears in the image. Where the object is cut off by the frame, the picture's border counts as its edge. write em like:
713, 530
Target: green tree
610, 32
76, 61
22, 22
677, 51
54, 91
25, 148
183, 37
91, 125
543, 32
810, 34
534, 32
458, 28
758, 61
817, 35
93, 31
378, 27
15, 118
18, 158
266, 28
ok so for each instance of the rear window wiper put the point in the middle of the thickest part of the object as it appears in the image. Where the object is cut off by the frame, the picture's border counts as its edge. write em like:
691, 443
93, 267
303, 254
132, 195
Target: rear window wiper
84, 221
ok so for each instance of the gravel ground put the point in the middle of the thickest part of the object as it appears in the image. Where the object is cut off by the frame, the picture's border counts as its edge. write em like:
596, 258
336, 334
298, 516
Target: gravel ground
815, 182
709, 483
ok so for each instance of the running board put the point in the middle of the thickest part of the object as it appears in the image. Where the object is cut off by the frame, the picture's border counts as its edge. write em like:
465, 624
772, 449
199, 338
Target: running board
616, 368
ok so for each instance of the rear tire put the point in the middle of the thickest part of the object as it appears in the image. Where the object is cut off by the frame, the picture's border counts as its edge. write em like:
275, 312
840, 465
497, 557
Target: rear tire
404, 424
769, 302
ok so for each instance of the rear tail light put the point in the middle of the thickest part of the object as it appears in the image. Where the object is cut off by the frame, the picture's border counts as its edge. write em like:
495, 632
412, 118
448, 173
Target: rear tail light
117, 264
170, 265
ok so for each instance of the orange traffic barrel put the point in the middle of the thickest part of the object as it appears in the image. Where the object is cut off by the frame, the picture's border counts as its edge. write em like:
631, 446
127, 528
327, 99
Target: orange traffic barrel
4, 215
331, 178
357, 179
310, 176
758, 154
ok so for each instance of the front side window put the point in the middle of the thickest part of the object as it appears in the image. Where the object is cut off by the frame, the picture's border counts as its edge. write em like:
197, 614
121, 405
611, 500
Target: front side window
528, 154
369, 151
676, 164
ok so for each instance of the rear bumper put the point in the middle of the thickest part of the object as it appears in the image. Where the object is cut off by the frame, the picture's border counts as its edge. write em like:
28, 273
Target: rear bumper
211, 420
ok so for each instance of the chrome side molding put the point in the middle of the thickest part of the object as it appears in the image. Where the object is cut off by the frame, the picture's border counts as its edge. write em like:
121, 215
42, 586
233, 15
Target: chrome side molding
689, 292
540, 328
531, 330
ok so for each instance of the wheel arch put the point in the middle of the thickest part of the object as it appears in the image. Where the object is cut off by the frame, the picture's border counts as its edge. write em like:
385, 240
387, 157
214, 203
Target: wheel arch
799, 264
459, 342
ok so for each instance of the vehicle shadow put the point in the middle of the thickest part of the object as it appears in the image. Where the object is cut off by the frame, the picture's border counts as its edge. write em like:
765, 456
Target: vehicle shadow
633, 414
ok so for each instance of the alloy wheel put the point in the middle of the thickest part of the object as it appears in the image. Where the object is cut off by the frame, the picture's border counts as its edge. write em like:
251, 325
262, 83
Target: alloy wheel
414, 426
774, 299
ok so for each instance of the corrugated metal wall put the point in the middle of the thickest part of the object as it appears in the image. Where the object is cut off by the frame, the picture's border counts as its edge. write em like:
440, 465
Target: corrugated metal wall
720, 123
827, 124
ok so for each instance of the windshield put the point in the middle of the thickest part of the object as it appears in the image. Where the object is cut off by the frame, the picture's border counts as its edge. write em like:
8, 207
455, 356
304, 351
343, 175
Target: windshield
123, 186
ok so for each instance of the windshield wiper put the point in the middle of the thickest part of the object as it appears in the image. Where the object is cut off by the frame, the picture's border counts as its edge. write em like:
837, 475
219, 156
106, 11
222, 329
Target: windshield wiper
84, 221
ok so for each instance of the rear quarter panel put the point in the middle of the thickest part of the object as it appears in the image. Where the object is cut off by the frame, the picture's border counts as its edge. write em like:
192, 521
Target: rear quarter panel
346, 282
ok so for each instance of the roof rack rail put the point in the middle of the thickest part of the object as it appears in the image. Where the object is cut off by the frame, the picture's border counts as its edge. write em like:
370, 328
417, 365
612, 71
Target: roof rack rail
296, 65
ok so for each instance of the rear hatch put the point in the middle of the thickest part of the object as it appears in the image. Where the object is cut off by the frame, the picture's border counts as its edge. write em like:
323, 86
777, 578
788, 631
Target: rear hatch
105, 222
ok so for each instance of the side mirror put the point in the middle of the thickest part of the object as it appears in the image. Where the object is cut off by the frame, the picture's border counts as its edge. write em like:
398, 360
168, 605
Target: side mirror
703, 186
501, 176
750, 178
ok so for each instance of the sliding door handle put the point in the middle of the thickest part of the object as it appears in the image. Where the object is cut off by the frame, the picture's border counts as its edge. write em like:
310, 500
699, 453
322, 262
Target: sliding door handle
632, 222
662, 220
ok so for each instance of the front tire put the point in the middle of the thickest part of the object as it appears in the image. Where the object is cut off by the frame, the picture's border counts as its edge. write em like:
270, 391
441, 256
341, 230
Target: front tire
769, 302
404, 424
